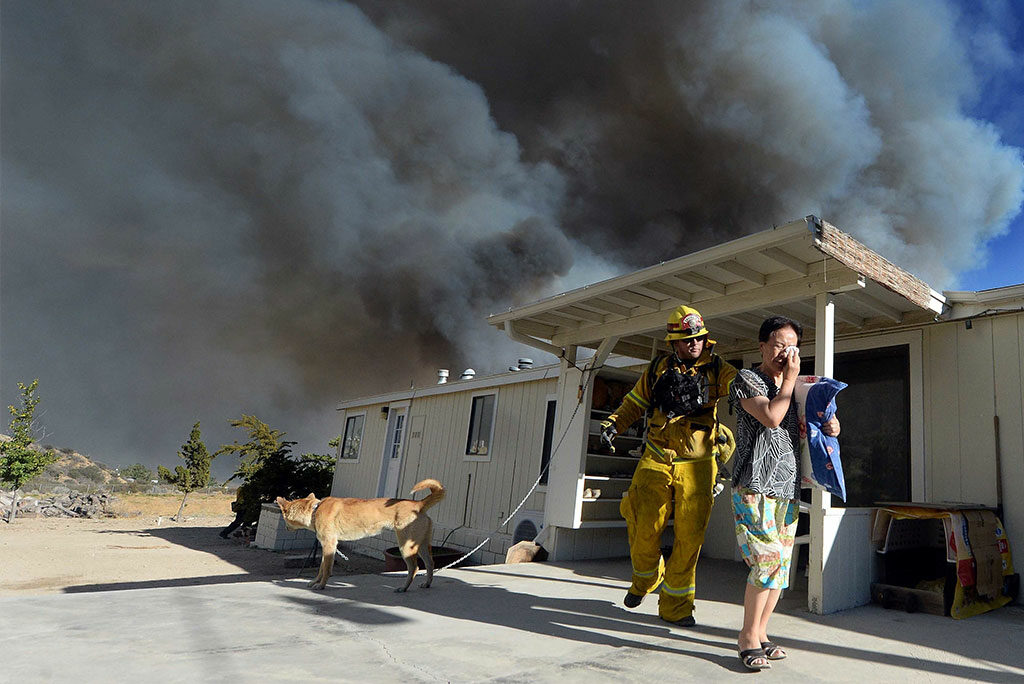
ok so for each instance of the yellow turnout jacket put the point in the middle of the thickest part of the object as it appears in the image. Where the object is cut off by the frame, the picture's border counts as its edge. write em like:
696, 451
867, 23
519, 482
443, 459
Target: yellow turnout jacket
678, 438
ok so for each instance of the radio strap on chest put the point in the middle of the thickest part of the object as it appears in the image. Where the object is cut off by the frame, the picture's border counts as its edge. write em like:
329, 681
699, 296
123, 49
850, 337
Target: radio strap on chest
680, 391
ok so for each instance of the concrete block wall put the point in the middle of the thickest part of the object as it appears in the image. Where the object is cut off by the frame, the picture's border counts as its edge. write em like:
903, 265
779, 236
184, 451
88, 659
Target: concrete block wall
372, 546
271, 532
562, 543
462, 539
566, 544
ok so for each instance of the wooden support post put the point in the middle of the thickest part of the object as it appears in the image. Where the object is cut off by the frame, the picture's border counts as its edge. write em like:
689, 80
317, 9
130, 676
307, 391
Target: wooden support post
603, 351
821, 502
563, 509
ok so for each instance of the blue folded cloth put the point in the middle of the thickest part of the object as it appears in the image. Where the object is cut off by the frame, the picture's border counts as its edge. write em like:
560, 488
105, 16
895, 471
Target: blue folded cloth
820, 464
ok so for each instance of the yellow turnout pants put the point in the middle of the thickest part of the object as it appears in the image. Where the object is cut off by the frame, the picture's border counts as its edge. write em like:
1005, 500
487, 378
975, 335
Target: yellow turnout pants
657, 490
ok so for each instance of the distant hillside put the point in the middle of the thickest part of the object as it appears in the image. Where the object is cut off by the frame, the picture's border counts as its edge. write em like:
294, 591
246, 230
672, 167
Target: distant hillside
74, 471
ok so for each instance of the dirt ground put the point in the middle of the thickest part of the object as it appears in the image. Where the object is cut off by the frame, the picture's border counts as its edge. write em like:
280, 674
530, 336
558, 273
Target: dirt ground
197, 504
55, 555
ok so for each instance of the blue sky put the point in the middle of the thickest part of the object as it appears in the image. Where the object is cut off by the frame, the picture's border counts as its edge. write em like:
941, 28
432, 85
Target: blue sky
1005, 262
998, 28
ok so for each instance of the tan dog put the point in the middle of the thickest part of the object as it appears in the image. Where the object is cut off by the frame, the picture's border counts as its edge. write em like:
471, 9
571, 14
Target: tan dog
336, 519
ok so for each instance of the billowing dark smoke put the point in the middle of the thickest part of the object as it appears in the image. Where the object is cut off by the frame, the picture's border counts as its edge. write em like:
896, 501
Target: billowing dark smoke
212, 208
218, 207
681, 124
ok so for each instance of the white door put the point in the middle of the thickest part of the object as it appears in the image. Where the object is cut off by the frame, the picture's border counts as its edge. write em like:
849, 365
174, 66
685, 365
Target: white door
392, 465
413, 447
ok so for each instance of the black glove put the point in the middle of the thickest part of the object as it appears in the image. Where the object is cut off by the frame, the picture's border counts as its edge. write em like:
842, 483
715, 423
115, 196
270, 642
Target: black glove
608, 433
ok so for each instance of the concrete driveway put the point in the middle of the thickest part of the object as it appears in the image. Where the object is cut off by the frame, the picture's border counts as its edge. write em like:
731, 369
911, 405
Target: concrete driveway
537, 622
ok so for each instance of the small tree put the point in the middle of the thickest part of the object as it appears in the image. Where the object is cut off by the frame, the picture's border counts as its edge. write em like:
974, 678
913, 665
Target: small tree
266, 462
196, 471
314, 473
266, 456
137, 472
266, 469
19, 462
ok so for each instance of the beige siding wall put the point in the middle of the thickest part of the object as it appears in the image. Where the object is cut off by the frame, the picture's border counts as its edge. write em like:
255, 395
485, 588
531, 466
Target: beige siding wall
358, 478
491, 485
971, 376
481, 494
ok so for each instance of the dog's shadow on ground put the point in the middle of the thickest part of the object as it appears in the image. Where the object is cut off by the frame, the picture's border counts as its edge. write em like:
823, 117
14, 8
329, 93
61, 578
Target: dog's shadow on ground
364, 600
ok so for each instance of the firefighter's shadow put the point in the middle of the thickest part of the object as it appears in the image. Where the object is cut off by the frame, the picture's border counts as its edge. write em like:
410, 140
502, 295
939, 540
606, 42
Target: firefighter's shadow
587, 620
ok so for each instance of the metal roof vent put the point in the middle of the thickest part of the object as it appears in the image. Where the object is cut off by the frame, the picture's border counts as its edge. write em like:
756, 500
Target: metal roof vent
442, 376
468, 374
524, 364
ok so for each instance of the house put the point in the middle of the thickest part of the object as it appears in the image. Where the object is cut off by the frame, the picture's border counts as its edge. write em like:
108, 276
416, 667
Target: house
486, 439
934, 412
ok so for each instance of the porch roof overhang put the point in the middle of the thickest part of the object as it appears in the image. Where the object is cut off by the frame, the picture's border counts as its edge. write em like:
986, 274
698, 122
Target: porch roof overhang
735, 285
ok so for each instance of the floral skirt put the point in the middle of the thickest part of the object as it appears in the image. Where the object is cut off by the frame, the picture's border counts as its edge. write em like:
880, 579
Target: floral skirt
765, 528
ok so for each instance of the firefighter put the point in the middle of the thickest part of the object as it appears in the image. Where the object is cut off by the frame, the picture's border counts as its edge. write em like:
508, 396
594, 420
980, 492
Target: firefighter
676, 474
246, 507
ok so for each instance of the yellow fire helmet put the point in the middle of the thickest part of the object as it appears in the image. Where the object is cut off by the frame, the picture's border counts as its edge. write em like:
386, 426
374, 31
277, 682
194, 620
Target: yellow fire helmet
685, 323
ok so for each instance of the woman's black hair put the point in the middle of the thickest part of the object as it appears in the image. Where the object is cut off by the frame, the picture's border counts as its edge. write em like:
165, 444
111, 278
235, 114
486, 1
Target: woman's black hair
773, 323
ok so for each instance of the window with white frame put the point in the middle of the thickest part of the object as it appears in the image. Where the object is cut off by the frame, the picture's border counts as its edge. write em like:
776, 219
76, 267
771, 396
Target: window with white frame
353, 437
395, 448
481, 425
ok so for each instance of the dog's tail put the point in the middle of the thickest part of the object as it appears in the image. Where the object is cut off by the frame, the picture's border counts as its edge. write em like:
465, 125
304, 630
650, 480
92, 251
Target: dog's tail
436, 493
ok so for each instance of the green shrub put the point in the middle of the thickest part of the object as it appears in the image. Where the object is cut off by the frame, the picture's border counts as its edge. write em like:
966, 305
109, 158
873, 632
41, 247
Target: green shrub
90, 472
138, 472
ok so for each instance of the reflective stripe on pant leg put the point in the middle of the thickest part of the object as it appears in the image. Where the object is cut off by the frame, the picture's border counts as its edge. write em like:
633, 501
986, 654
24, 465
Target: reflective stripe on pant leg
646, 507
692, 481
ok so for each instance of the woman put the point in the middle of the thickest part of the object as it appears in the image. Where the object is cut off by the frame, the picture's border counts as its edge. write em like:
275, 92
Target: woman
766, 483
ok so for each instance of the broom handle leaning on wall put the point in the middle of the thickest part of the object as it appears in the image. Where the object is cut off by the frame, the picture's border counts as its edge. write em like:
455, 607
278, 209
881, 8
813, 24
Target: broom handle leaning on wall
999, 467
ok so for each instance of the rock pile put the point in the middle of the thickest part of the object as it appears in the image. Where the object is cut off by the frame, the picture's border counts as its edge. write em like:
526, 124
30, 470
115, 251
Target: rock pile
69, 504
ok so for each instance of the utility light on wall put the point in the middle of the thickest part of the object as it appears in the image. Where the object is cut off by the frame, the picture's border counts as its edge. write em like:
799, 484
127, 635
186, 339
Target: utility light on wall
383, 411
968, 324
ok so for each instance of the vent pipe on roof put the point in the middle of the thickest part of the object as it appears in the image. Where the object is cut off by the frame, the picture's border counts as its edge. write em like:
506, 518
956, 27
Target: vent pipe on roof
468, 374
522, 364
442, 376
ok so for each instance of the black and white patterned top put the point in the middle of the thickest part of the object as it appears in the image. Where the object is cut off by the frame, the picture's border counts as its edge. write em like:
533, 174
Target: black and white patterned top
765, 458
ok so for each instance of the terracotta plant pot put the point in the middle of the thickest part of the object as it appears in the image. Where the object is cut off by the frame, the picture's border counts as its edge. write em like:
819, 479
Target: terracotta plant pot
442, 556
